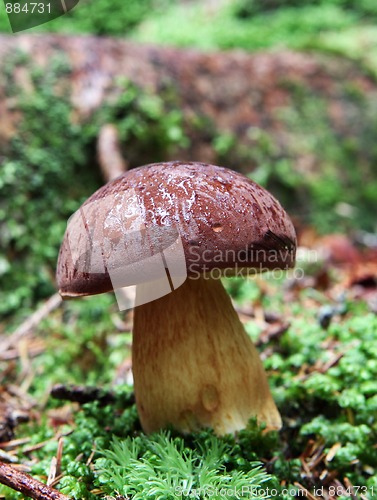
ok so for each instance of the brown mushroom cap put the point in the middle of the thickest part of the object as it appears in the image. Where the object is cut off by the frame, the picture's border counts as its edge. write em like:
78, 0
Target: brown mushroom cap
224, 219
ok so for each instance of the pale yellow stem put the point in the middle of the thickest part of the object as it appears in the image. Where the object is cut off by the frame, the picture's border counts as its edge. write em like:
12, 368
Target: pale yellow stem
194, 365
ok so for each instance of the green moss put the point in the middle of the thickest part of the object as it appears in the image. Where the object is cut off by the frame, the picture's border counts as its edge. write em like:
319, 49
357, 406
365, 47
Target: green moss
36, 189
312, 172
164, 467
333, 407
150, 126
51, 168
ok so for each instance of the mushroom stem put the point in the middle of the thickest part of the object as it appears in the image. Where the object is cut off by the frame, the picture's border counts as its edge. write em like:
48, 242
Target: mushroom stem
194, 365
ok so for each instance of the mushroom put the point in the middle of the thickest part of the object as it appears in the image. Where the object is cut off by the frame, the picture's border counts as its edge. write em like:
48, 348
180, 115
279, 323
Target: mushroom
194, 366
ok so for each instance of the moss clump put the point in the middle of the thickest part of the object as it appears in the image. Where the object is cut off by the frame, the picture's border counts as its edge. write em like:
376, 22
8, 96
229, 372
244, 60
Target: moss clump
311, 169
323, 382
50, 168
37, 193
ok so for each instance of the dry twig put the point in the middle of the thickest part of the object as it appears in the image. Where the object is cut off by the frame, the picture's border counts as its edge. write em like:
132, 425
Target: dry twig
305, 491
109, 153
31, 322
25, 484
81, 394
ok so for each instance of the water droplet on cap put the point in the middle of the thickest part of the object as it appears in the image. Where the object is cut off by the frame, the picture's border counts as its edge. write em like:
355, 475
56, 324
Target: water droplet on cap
217, 227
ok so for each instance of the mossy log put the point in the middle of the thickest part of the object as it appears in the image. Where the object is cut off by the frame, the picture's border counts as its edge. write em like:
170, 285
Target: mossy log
231, 93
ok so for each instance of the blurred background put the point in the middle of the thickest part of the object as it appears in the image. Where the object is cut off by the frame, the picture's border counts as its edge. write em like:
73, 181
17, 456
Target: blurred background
303, 124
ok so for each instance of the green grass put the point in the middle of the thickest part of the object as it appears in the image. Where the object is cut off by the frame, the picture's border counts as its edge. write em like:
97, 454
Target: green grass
196, 26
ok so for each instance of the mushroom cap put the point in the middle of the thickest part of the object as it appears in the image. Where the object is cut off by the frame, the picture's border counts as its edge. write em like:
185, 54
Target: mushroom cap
224, 220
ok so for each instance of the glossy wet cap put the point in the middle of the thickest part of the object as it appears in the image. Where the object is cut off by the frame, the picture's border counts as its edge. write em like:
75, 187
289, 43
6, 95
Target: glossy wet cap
222, 219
